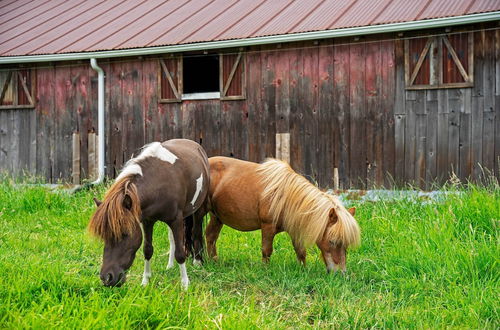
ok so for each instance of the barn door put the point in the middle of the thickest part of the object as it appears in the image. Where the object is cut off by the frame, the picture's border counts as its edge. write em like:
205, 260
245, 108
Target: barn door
232, 76
439, 61
170, 80
17, 89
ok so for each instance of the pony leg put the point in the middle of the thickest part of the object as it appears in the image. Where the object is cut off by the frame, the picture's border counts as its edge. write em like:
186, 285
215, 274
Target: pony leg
147, 231
198, 236
212, 234
268, 232
177, 227
300, 251
171, 255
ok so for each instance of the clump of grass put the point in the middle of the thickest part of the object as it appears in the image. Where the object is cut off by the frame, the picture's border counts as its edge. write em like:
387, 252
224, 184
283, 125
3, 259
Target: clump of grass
426, 265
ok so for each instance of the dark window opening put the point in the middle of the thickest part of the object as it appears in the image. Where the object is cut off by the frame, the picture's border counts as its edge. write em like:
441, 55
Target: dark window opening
201, 74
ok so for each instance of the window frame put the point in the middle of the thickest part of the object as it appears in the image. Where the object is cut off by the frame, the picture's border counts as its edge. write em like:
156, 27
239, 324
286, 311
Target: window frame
439, 41
224, 86
14, 76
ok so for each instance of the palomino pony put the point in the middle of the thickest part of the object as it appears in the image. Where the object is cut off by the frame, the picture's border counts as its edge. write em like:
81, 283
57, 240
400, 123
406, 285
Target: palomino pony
273, 198
168, 182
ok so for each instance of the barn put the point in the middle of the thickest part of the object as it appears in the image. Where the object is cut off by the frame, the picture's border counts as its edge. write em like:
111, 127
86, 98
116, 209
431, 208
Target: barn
354, 94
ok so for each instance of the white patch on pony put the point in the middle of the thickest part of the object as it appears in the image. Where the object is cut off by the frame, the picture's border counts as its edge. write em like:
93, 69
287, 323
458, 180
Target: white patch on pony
184, 276
154, 149
197, 262
171, 256
199, 185
147, 272
130, 169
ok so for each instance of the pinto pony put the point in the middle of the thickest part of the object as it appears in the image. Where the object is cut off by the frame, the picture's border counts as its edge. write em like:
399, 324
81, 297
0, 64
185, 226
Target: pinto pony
168, 182
272, 197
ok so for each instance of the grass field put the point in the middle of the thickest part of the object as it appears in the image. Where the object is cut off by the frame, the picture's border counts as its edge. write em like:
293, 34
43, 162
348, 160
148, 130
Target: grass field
420, 265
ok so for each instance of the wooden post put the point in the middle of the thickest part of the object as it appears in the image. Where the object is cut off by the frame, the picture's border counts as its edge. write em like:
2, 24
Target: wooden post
91, 147
335, 179
283, 146
76, 158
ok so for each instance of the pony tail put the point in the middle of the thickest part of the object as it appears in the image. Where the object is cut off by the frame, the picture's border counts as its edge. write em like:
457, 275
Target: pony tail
119, 212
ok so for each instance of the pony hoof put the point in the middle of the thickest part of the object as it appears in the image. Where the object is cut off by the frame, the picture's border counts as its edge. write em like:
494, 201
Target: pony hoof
170, 265
145, 282
185, 285
197, 263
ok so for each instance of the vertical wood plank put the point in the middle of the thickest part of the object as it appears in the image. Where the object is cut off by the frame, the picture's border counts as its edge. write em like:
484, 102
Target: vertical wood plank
254, 101
478, 106
341, 111
455, 104
309, 96
294, 63
399, 114
488, 159
268, 129
45, 121
431, 138
410, 139
387, 120
327, 131
374, 138
357, 113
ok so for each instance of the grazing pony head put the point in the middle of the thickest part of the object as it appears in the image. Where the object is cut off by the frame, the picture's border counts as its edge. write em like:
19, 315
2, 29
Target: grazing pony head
308, 214
117, 222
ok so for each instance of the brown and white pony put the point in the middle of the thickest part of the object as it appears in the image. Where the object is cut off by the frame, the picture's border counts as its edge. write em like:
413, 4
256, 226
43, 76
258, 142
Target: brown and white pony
273, 198
168, 182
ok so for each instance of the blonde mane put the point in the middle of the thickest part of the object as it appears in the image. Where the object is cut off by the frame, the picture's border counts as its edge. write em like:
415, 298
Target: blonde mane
111, 219
302, 208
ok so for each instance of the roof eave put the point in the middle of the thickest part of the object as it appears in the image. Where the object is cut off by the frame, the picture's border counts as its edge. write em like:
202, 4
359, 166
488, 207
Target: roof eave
283, 38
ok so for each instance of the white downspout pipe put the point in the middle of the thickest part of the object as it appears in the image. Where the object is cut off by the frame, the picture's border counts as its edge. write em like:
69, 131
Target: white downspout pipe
100, 120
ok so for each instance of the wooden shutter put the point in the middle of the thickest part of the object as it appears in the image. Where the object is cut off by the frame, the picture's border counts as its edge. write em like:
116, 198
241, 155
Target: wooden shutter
17, 89
170, 80
232, 76
439, 61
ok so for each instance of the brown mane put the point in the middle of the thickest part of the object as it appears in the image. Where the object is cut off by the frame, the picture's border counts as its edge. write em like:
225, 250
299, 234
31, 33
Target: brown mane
111, 219
303, 208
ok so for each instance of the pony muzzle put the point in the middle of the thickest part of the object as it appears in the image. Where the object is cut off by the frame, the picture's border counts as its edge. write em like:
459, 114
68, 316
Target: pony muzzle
113, 279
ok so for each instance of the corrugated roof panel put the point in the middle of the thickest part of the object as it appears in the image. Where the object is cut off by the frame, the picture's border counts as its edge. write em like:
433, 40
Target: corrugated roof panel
5, 4
56, 31
139, 25
289, 17
51, 29
445, 8
118, 25
64, 44
27, 25
324, 16
148, 36
360, 13
481, 6
194, 22
247, 26
400, 11
225, 21
17, 8
57, 26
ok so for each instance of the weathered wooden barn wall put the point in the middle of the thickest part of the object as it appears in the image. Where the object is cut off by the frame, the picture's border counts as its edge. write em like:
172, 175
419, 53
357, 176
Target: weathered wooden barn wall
343, 102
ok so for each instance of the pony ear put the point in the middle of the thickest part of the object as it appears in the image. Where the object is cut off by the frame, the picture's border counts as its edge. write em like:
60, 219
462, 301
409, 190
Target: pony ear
97, 202
332, 216
352, 210
127, 202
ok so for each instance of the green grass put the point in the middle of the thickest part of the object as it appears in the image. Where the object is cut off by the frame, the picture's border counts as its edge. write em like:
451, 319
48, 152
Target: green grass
420, 265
